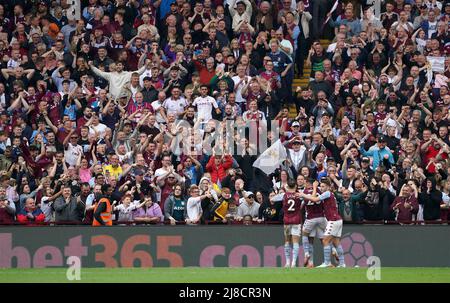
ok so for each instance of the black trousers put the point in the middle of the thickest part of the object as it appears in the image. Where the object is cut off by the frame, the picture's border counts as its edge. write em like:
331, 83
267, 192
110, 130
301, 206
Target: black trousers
303, 46
319, 14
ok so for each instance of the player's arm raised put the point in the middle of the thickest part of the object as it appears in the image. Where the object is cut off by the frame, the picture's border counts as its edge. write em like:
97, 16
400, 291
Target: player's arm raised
316, 198
315, 185
312, 198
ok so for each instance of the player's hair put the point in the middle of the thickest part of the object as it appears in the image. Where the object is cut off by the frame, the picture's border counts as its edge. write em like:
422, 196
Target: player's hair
325, 180
292, 183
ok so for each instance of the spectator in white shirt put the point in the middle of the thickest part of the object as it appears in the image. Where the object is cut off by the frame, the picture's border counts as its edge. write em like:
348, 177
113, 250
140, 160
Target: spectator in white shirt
205, 104
175, 104
194, 208
248, 207
240, 80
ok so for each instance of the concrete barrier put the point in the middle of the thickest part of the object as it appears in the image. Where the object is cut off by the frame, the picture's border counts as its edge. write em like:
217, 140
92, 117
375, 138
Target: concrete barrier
212, 246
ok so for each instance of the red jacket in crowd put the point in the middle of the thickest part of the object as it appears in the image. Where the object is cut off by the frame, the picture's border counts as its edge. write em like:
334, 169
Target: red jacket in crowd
38, 216
219, 171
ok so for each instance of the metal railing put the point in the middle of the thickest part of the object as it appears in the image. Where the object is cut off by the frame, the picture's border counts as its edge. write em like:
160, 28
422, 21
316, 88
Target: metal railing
234, 222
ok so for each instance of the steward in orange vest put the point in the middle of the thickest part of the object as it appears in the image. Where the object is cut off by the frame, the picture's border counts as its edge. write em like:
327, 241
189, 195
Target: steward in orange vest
103, 209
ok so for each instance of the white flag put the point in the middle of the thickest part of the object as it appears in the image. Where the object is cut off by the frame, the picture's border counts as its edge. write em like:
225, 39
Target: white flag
271, 158
335, 5
437, 63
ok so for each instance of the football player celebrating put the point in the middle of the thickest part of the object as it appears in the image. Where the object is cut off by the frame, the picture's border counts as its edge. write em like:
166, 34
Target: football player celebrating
333, 230
314, 225
292, 220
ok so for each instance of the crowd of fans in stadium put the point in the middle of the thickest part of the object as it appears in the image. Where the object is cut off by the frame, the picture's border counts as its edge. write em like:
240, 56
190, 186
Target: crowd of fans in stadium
135, 101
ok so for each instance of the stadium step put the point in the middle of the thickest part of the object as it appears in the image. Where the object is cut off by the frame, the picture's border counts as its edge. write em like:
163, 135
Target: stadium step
304, 81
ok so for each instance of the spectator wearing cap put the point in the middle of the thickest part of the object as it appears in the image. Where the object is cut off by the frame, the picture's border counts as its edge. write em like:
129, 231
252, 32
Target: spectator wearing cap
149, 91
220, 208
423, 16
366, 170
298, 154
240, 11
141, 186
248, 207
379, 153
72, 150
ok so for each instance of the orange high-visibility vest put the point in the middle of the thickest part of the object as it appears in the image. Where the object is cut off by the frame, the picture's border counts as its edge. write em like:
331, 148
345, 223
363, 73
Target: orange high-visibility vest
106, 216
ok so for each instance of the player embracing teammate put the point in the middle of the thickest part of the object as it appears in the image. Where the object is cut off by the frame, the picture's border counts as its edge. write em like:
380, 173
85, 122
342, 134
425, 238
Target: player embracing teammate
333, 229
314, 225
292, 219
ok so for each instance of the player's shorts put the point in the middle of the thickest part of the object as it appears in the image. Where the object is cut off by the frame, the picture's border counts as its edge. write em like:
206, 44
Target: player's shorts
334, 228
317, 233
292, 230
311, 225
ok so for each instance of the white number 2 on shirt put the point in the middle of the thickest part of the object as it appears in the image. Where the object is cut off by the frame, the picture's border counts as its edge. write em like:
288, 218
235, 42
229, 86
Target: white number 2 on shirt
291, 205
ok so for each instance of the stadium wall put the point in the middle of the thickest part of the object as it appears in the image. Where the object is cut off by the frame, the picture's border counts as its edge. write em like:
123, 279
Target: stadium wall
212, 246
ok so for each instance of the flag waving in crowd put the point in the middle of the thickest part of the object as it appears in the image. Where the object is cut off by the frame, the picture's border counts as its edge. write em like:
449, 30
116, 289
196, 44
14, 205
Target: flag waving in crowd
271, 159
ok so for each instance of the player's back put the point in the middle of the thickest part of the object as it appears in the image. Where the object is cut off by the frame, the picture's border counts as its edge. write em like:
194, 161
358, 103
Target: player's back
312, 209
291, 209
330, 208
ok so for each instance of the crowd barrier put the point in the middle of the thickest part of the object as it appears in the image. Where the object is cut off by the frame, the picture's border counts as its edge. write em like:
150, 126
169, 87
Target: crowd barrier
212, 246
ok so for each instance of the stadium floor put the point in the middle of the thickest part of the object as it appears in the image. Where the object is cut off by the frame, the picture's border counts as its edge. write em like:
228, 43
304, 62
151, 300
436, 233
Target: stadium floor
221, 275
